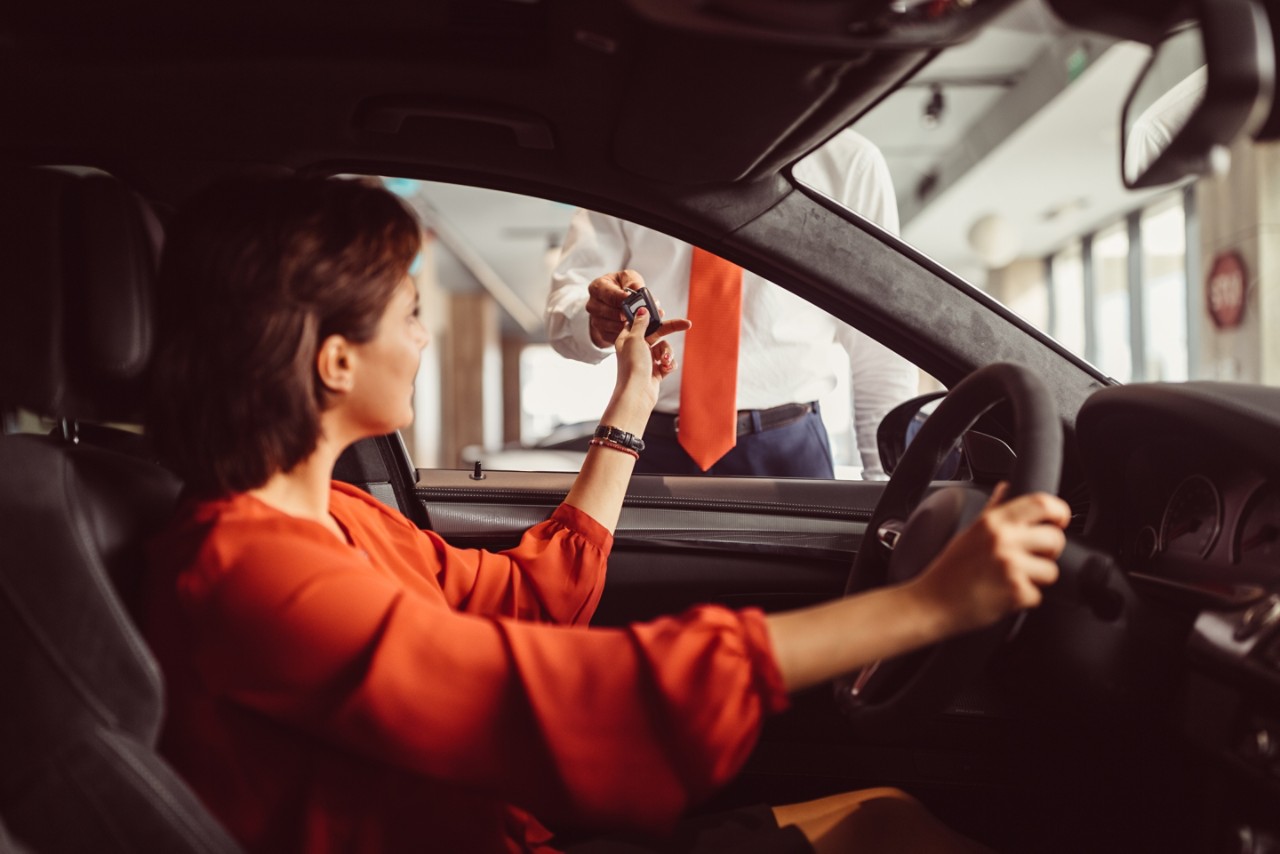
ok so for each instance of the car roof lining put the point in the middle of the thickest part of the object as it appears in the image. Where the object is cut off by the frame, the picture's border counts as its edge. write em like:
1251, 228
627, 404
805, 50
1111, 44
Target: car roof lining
598, 80
679, 92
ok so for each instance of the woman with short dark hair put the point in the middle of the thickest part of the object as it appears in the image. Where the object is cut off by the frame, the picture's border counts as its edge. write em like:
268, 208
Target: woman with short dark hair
256, 275
340, 680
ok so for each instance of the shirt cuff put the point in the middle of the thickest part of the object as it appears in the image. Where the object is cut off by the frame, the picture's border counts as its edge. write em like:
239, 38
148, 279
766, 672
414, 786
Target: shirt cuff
773, 691
581, 324
569, 333
578, 522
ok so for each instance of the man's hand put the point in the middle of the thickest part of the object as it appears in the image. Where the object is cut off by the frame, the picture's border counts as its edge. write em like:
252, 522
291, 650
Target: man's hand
604, 305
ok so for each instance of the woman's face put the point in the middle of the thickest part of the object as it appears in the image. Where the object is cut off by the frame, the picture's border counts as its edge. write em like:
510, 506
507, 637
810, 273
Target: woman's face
381, 399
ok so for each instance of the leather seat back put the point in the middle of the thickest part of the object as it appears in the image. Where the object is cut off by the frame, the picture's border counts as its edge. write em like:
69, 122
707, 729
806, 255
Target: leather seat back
83, 695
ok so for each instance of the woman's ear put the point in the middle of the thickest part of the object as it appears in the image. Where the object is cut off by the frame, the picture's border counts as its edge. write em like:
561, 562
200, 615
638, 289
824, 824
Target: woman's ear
334, 364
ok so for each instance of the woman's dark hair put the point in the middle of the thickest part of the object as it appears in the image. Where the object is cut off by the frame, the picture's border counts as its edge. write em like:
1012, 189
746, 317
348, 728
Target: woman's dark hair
255, 274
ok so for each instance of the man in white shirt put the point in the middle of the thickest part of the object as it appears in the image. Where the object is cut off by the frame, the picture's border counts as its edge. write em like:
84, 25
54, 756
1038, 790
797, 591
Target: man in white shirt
784, 361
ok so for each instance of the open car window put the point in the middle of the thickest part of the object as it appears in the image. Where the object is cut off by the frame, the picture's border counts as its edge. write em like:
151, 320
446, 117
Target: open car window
495, 389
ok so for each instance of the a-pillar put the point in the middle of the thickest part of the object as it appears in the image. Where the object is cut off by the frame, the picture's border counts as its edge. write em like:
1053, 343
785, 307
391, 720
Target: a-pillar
1021, 285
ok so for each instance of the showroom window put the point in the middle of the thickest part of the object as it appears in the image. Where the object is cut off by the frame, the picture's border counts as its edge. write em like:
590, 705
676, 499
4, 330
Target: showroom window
1067, 315
1119, 295
1164, 285
1112, 307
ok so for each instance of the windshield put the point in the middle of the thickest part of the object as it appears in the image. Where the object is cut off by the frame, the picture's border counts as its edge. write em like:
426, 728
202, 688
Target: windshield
1004, 155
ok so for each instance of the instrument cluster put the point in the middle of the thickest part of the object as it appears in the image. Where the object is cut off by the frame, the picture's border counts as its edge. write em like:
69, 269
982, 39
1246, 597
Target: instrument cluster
1209, 527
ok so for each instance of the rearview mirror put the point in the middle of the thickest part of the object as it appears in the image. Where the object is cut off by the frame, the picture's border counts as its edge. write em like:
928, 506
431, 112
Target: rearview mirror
1206, 83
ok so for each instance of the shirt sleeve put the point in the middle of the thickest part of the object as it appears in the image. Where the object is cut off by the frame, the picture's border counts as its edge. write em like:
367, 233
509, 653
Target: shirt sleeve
880, 380
594, 246
610, 727
850, 169
556, 574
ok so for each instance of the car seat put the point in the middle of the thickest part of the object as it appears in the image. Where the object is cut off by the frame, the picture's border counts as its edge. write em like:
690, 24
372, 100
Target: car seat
380, 466
83, 699
8, 845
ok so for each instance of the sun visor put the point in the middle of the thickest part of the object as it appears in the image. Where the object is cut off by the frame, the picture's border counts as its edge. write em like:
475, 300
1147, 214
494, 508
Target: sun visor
721, 111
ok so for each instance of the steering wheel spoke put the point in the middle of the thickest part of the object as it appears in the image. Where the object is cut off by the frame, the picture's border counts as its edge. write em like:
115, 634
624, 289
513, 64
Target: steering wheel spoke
912, 524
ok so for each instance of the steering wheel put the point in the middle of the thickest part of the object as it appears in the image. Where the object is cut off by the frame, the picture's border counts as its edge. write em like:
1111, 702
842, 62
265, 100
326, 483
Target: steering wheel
906, 533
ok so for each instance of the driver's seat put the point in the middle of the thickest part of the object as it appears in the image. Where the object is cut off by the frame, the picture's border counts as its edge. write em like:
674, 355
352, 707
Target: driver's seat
82, 694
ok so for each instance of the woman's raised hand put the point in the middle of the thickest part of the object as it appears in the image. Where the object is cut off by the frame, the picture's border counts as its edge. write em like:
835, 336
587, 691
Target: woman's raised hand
643, 362
600, 487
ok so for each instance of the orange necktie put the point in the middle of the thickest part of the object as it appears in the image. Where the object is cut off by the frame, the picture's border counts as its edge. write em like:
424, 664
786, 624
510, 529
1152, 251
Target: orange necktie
709, 382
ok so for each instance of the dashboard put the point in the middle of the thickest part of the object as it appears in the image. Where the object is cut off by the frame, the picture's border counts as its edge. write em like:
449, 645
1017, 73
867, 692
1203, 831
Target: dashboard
1231, 519
1185, 488
1201, 519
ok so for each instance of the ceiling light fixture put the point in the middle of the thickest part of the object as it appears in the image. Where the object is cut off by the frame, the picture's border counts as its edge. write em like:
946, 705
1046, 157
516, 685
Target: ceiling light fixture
934, 107
995, 240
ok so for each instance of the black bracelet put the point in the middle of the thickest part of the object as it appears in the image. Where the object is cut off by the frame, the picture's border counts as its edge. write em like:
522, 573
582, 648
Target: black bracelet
619, 437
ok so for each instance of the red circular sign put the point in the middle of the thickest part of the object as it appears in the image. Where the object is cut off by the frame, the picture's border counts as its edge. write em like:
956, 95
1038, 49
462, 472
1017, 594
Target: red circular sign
1225, 290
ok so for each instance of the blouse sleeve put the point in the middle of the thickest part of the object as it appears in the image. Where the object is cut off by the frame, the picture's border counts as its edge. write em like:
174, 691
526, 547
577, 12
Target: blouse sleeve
556, 574
618, 727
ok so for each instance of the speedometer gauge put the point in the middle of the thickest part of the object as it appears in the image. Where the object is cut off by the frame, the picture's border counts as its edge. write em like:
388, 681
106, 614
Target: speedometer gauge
1192, 518
1258, 537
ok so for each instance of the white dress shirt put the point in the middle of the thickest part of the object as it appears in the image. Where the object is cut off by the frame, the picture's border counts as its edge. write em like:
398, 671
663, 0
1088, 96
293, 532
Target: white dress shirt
785, 350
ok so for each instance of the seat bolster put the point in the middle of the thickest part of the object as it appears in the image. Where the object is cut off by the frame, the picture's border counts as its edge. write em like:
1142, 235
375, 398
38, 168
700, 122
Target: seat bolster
67, 645
104, 793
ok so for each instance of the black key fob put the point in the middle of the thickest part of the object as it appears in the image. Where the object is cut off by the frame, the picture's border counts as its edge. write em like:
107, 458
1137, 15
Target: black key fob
642, 299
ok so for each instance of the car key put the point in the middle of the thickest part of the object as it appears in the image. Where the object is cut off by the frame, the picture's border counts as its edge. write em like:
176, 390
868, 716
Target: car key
641, 298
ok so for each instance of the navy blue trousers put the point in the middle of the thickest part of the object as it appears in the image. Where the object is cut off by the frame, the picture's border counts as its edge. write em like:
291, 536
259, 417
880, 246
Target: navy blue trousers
798, 449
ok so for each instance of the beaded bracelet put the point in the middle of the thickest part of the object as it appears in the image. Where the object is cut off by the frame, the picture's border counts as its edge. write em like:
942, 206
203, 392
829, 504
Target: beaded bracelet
603, 443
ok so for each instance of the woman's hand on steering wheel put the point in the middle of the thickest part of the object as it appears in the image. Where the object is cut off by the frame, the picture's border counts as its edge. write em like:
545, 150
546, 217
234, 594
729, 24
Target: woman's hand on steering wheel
997, 565
990, 570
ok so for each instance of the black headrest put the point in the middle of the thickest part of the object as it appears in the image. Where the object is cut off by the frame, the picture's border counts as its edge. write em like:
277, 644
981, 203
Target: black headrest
78, 254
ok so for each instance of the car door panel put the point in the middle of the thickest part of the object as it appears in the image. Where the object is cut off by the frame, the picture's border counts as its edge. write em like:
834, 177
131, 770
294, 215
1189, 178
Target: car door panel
739, 542
750, 542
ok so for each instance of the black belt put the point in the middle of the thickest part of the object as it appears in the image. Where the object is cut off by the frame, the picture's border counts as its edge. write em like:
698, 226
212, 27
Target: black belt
666, 425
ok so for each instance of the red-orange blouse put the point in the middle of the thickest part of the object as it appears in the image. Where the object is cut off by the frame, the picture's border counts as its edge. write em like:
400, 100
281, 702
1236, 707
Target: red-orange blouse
400, 694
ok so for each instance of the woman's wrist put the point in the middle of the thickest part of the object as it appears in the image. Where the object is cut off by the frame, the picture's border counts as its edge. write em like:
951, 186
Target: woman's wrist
936, 617
617, 436
616, 446
626, 414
